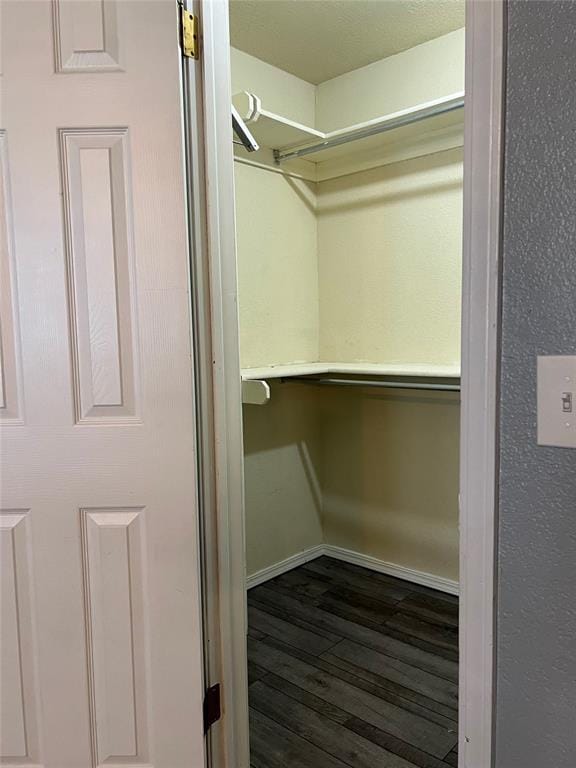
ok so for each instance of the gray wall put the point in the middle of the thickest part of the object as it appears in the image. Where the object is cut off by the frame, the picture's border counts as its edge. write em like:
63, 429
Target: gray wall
536, 664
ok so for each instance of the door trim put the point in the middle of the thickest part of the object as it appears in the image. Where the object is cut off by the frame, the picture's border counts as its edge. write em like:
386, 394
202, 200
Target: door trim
483, 155
211, 214
224, 581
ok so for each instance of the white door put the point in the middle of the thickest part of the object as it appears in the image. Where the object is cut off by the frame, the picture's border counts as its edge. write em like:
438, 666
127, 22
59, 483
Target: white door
101, 634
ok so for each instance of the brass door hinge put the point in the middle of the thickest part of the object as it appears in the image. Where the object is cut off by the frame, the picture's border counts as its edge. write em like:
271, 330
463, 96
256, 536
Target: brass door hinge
190, 36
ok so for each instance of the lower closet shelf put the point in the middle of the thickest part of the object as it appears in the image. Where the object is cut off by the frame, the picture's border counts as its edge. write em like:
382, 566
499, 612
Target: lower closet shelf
256, 390
283, 371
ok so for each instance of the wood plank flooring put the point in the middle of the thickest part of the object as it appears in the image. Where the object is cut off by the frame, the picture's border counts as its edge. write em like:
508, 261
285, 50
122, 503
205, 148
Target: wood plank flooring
351, 668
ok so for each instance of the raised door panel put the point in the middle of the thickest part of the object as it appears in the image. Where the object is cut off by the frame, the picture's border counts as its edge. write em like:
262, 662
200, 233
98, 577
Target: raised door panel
10, 372
116, 628
18, 692
100, 259
86, 36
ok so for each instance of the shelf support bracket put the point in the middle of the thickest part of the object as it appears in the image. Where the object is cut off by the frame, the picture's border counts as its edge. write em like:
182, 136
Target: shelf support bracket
255, 392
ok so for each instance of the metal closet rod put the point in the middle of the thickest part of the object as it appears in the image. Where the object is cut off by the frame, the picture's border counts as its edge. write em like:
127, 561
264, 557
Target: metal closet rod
373, 130
436, 387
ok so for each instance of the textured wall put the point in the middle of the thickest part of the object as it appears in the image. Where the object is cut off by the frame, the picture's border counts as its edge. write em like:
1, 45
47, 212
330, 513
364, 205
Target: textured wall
280, 91
282, 467
536, 663
390, 476
277, 267
278, 307
419, 74
276, 234
390, 256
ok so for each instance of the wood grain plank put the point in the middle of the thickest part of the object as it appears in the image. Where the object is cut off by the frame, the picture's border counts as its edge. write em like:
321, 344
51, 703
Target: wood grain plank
387, 628
260, 600
338, 573
338, 693
433, 687
384, 579
364, 635
395, 720
385, 689
255, 672
353, 611
255, 633
299, 582
398, 694
450, 654
436, 593
391, 743
331, 737
419, 757
305, 639
357, 604
273, 746
431, 609
308, 699
437, 634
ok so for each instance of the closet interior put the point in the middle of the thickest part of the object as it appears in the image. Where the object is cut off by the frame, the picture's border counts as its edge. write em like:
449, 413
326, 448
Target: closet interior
349, 240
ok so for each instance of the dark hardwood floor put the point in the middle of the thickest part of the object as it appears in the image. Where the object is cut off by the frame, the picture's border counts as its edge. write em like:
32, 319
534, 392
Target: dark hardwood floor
348, 667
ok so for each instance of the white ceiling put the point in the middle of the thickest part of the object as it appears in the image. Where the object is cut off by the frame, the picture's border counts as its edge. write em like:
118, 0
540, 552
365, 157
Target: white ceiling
320, 39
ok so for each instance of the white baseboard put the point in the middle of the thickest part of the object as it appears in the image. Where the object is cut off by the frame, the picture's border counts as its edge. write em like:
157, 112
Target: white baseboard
356, 558
399, 571
277, 569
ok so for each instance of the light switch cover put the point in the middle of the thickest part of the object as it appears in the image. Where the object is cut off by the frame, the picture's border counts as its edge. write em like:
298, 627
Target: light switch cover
557, 400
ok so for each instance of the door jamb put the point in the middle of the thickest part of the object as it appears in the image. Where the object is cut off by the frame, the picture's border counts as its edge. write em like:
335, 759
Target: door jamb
224, 547
483, 169
212, 232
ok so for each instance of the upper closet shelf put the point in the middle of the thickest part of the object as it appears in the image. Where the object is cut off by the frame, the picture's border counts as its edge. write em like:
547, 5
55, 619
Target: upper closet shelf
285, 371
412, 132
256, 389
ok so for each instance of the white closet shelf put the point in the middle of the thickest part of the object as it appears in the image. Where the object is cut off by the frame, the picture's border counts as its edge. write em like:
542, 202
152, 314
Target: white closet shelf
269, 129
424, 370
256, 389
439, 120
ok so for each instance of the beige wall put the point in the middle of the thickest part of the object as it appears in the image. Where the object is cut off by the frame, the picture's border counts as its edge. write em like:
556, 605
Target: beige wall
279, 322
390, 275
390, 239
361, 268
282, 92
276, 234
277, 267
389, 245
423, 73
390, 477
282, 467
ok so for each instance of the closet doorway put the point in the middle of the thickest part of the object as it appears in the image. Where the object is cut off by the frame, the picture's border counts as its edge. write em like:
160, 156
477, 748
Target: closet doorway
349, 238
348, 169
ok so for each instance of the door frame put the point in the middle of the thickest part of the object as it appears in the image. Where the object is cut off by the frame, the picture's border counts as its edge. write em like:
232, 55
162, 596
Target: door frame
207, 127
213, 246
483, 174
